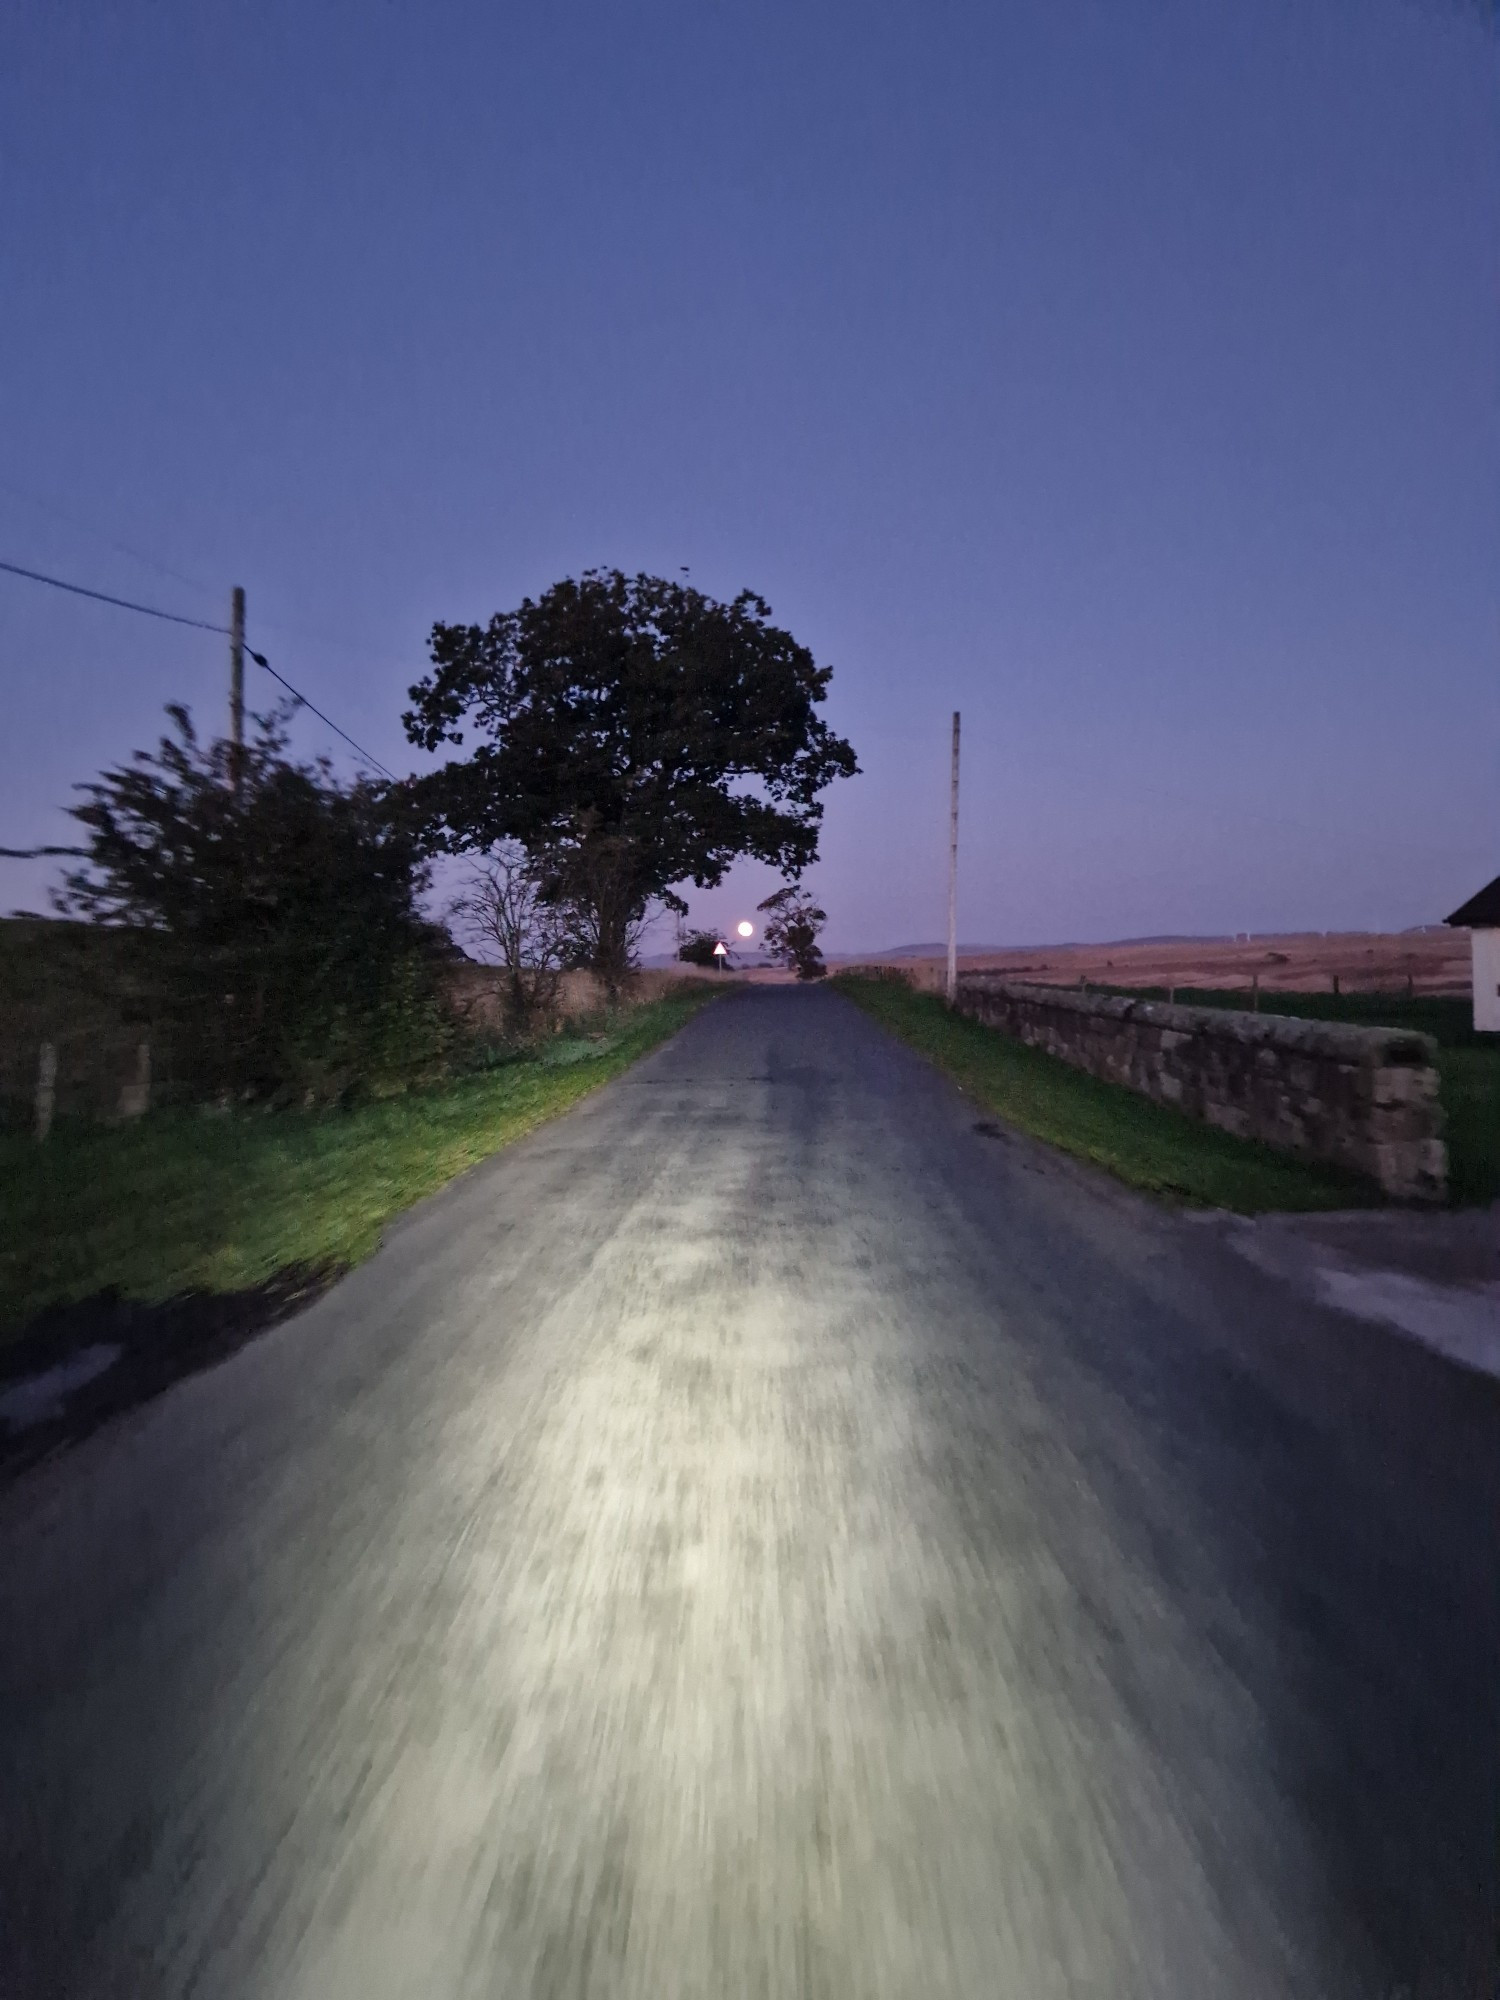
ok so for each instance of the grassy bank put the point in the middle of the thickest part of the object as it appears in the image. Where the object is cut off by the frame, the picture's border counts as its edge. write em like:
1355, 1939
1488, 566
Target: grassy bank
1149, 1146
1470, 1080
183, 1203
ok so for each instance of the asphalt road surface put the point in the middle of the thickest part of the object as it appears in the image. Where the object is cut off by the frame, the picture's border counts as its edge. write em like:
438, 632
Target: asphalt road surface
762, 1537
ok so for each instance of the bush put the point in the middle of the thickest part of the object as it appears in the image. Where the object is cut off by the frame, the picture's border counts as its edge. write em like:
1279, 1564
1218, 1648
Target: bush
697, 948
273, 914
503, 912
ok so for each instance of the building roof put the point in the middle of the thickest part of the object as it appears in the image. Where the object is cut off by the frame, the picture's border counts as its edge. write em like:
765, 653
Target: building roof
1481, 912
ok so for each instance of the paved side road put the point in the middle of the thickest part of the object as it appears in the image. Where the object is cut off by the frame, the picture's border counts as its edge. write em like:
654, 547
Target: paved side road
761, 1537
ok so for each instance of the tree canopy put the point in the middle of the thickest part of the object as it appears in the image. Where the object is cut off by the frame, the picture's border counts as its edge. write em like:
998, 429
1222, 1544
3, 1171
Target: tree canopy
631, 733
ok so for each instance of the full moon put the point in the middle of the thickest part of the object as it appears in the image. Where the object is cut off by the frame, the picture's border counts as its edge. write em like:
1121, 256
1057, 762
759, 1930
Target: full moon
745, 930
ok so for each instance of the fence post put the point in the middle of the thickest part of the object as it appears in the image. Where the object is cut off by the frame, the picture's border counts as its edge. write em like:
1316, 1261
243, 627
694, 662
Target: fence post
46, 1088
135, 1097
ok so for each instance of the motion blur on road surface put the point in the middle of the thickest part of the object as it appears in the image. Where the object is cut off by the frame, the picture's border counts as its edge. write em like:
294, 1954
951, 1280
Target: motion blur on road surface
761, 1537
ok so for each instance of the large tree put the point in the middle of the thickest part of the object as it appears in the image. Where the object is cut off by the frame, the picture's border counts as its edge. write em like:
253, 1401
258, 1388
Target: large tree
791, 933
632, 734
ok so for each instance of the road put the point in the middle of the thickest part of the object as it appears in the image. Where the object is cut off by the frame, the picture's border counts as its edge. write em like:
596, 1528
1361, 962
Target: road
760, 1536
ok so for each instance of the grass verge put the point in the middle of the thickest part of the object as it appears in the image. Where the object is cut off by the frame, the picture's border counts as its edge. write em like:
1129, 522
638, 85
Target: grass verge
1146, 1145
182, 1203
1469, 1087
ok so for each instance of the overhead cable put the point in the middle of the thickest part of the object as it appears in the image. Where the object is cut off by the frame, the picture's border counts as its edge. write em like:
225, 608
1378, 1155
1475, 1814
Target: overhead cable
103, 596
201, 625
261, 661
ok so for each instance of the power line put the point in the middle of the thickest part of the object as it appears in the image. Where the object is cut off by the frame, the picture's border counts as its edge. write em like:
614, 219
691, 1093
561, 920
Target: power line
193, 583
261, 661
202, 625
103, 596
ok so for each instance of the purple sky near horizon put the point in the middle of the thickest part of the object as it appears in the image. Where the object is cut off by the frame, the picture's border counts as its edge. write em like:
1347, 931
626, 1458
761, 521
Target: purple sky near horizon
1123, 373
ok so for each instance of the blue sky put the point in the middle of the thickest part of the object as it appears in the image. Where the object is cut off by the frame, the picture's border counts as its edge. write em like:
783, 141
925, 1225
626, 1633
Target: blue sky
1122, 374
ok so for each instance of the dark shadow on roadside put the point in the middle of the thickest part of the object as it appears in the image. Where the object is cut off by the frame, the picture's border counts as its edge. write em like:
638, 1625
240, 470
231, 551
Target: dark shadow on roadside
74, 1367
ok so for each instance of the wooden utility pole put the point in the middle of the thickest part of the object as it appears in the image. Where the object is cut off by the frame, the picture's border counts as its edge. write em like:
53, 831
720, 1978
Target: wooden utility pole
237, 688
953, 872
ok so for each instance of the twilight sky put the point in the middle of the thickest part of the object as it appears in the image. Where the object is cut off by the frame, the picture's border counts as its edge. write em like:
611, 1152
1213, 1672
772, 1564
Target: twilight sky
1121, 372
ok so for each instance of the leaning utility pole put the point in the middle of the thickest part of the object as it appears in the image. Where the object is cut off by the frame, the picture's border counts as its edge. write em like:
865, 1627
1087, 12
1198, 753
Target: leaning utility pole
953, 872
237, 688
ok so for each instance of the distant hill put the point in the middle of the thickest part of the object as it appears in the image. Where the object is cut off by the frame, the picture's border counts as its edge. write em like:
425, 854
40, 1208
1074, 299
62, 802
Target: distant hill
921, 951
980, 950
939, 949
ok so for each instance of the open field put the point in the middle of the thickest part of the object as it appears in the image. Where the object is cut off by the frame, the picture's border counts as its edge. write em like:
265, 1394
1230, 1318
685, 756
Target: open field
181, 1203
1146, 1145
1435, 960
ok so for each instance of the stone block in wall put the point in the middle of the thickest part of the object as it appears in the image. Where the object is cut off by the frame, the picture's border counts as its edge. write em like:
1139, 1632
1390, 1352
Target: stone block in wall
1228, 1118
1404, 1086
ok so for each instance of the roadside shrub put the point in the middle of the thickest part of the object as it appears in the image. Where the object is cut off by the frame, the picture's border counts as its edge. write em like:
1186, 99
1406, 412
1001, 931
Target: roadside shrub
503, 912
891, 975
272, 912
697, 948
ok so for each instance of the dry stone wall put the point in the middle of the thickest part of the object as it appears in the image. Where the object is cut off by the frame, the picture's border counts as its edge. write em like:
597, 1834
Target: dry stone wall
1360, 1098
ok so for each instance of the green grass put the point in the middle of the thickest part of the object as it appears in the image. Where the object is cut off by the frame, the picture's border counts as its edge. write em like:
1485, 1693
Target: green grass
1468, 1064
182, 1202
1146, 1145
1469, 1086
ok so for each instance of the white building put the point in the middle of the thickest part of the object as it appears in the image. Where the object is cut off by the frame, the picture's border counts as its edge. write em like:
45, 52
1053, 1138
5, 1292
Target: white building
1480, 916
